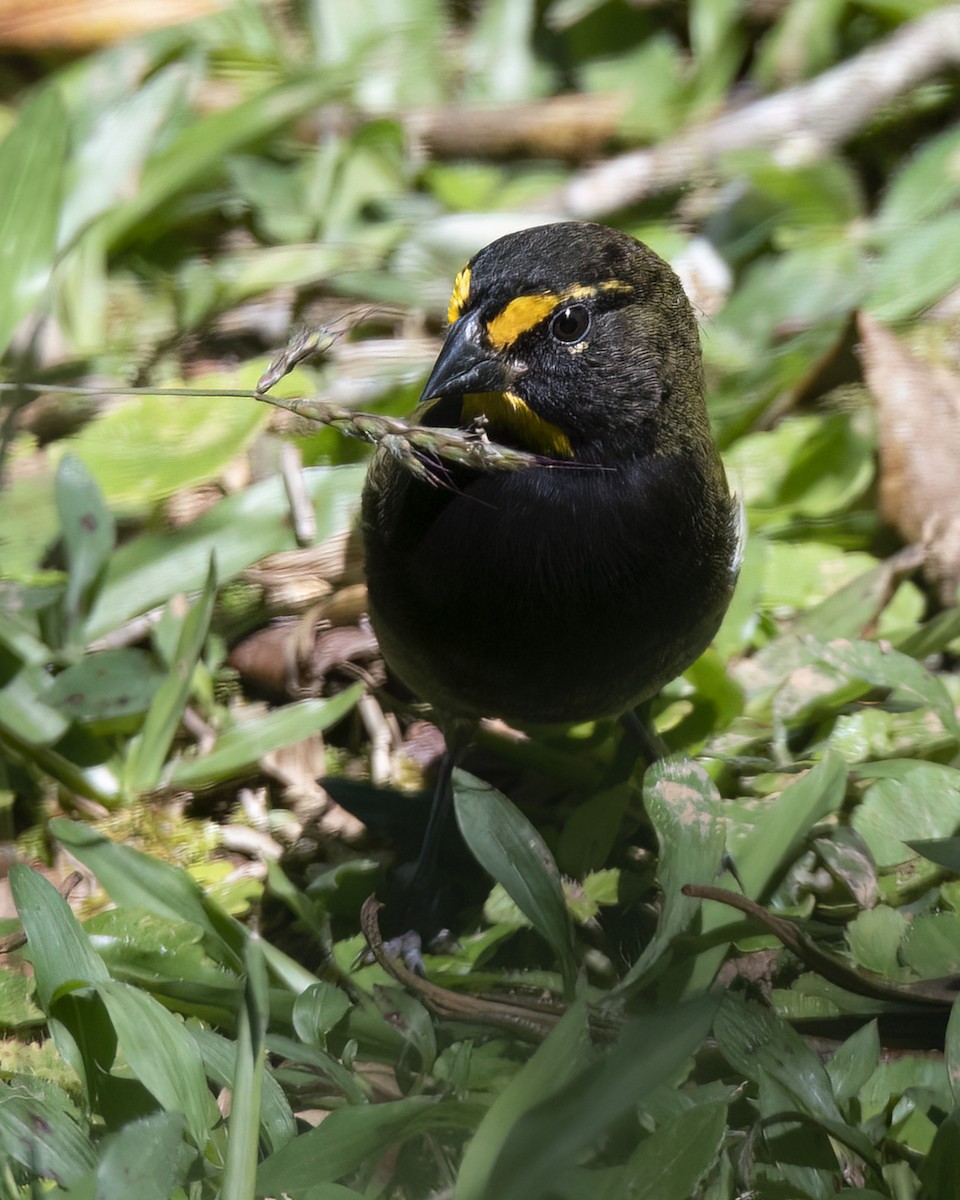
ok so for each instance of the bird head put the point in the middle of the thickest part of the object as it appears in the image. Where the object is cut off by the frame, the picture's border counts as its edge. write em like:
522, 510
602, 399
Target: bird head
572, 340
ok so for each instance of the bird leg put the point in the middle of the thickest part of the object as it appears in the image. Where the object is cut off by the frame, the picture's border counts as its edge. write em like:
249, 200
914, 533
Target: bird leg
639, 728
419, 895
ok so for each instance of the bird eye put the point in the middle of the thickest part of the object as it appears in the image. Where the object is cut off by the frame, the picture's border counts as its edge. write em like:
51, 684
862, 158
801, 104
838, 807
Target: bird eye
570, 324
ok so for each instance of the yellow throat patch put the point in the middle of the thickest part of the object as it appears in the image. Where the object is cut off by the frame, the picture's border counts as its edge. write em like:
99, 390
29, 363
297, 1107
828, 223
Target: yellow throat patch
510, 418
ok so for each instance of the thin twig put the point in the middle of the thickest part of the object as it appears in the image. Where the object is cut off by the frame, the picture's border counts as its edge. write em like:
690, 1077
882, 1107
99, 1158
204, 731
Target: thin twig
936, 992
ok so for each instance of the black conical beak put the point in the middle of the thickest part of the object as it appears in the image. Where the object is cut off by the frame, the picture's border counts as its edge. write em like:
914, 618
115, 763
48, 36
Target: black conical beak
465, 365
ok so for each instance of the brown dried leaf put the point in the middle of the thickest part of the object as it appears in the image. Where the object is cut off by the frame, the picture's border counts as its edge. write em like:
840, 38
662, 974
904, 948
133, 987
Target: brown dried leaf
919, 410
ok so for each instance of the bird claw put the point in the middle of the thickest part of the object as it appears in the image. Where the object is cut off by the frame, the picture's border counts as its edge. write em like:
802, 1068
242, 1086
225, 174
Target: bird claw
408, 947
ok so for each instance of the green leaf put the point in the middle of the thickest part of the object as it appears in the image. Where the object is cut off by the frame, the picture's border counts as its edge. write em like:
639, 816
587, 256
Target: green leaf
881, 666
669, 1163
148, 752
243, 1125
59, 949
510, 849
931, 947
351, 1137
925, 186
945, 852
852, 1063
918, 266
277, 1123
564, 1052
203, 144
32, 159
149, 570
546, 1140
161, 1054
43, 1139
89, 533
921, 802
242, 747
940, 1174
952, 1050
756, 1042
316, 1010
203, 435
684, 808
785, 822
146, 1158
130, 877
113, 685
24, 715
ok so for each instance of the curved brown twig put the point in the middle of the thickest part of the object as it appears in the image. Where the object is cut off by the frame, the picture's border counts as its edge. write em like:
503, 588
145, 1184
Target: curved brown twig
935, 992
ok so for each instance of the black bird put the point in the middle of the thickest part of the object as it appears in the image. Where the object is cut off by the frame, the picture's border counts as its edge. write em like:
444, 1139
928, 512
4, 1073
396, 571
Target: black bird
573, 590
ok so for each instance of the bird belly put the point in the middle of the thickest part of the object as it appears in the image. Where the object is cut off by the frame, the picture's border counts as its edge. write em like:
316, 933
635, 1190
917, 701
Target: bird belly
542, 596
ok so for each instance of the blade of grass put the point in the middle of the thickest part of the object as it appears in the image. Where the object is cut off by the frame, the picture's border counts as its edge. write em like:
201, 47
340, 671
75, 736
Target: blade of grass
243, 1124
148, 751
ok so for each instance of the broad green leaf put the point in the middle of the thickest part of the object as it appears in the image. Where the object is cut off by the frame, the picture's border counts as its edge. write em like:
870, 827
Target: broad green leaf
669, 1163
242, 747
59, 949
564, 1053
200, 148
874, 937
108, 161
132, 878
24, 713
510, 849
684, 808
316, 1010
852, 1063
940, 1174
277, 1123
952, 1050
150, 569
350, 1137
810, 466
922, 802
89, 532
590, 832
147, 1159
201, 435
547, 1140
785, 822
756, 1042
32, 159
926, 185
931, 947
881, 666
148, 752
916, 267
945, 852
42, 1139
110, 686
161, 1054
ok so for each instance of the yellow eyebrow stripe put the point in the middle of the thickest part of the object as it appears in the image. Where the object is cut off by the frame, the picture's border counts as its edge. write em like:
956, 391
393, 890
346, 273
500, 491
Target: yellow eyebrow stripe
518, 316
458, 299
507, 414
526, 312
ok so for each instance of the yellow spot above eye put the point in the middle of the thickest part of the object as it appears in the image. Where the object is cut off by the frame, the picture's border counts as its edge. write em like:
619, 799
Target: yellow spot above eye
519, 316
458, 300
510, 419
